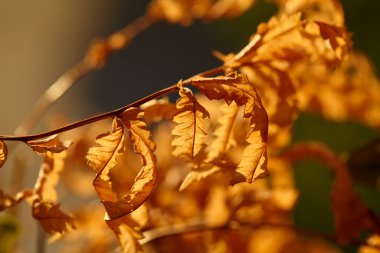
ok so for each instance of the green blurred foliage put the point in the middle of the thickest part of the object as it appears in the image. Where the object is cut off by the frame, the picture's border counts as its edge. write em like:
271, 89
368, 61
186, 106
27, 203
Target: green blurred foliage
9, 232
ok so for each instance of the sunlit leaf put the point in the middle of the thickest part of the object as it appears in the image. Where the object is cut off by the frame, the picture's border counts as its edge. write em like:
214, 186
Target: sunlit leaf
189, 133
44, 206
3, 153
52, 219
128, 237
236, 88
328, 11
48, 177
103, 156
197, 175
49, 144
118, 219
224, 132
185, 11
254, 162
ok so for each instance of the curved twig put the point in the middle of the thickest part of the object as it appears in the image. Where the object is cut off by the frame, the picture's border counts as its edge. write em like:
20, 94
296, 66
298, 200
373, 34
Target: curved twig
95, 58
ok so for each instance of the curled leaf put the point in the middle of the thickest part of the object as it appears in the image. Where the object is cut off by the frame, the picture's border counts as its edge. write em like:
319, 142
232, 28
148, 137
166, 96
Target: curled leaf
224, 132
52, 219
3, 153
118, 219
44, 207
189, 127
253, 165
146, 179
236, 88
102, 158
48, 177
49, 144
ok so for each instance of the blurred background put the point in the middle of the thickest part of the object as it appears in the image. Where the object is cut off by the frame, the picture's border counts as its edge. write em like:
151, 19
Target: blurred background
39, 40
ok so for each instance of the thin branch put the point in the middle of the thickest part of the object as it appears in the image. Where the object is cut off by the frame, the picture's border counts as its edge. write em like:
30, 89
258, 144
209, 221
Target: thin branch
199, 227
181, 229
110, 114
95, 58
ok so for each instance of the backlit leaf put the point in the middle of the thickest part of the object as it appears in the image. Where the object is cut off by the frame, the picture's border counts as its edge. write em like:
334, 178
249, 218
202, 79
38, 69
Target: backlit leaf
254, 162
189, 133
52, 219
236, 88
51, 144
197, 175
118, 219
48, 176
128, 237
3, 153
103, 157
44, 206
224, 132
328, 11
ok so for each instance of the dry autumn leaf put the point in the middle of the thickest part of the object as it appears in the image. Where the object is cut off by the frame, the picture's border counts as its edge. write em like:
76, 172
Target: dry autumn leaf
49, 144
103, 157
52, 219
328, 11
224, 138
44, 206
198, 175
236, 88
3, 153
118, 219
48, 177
189, 130
185, 11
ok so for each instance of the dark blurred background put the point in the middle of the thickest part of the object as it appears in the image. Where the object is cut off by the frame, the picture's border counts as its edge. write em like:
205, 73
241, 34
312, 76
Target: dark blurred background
41, 39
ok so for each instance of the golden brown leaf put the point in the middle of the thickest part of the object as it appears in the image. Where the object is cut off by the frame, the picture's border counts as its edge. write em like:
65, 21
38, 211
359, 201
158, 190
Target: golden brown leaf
44, 208
189, 131
288, 39
157, 110
236, 88
197, 175
52, 219
103, 157
128, 237
3, 153
327, 11
224, 132
254, 162
48, 176
118, 219
49, 144
185, 11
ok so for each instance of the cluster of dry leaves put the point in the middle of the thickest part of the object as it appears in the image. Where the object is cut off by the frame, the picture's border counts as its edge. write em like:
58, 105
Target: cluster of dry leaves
178, 195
